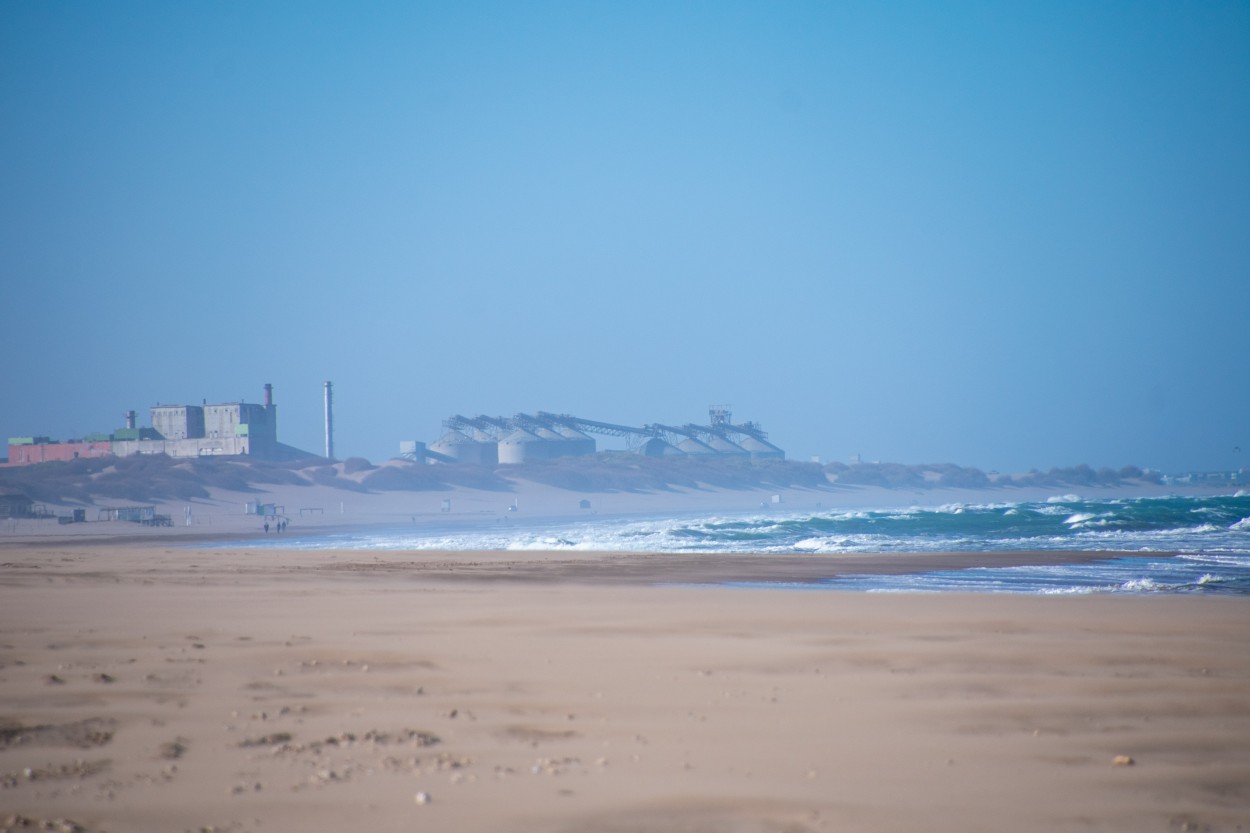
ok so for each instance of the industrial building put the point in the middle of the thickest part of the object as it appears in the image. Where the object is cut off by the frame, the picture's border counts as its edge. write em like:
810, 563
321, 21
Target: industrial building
27, 451
525, 438
228, 429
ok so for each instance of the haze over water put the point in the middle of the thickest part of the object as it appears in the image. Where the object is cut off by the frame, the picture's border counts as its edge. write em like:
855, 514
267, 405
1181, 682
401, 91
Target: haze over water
1000, 235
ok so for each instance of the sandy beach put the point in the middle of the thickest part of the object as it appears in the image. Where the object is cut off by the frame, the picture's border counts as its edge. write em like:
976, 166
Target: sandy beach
155, 688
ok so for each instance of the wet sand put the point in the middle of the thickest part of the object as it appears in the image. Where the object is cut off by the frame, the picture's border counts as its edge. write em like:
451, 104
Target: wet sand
153, 688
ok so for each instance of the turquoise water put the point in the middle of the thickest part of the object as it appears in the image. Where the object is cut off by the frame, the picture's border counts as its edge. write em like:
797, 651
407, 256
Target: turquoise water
1178, 544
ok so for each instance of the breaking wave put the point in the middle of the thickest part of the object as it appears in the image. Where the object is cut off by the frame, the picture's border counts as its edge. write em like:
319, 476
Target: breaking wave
1210, 534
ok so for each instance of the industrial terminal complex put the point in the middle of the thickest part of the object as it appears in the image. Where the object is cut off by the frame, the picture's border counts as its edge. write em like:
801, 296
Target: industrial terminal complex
525, 438
242, 429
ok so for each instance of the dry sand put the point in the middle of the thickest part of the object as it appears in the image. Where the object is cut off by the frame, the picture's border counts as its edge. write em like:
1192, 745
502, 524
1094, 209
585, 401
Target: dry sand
146, 688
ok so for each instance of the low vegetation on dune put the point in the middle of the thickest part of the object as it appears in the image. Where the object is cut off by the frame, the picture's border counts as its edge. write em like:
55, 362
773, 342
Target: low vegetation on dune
157, 478
400, 476
144, 478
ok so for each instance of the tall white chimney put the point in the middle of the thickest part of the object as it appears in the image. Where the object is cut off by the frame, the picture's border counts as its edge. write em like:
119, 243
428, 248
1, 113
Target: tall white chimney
329, 421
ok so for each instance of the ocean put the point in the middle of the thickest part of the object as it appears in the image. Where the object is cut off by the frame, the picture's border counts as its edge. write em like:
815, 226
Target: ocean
1165, 544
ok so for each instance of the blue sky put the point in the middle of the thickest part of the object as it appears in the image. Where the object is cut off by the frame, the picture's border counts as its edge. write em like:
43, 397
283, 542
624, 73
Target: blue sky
1005, 235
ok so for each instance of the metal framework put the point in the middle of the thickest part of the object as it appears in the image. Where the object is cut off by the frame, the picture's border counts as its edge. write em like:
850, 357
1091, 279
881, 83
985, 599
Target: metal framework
720, 425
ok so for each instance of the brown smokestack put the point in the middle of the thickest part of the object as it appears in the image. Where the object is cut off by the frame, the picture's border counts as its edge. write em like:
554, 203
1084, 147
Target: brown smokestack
268, 395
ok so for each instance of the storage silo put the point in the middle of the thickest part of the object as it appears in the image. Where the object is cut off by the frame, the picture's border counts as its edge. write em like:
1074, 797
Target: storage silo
544, 433
761, 449
656, 447
550, 445
521, 446
724, 447
573, 442
462, 448
690, 445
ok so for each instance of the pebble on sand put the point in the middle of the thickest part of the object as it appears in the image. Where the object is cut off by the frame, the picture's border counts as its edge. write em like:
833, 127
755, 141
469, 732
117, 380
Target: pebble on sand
422, 798
1123, 760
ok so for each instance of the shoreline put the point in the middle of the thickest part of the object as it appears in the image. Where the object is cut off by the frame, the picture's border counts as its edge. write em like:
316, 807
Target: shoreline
221, 518
536, 567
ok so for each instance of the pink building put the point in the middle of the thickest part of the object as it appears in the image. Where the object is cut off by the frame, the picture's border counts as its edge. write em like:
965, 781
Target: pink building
27, 451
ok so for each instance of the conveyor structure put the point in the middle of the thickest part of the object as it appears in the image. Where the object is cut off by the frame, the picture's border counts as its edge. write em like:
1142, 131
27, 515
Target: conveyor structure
524, 438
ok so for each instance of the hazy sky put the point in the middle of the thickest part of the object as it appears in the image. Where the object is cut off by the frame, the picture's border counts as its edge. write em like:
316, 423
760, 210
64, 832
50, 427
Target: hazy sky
1007, 235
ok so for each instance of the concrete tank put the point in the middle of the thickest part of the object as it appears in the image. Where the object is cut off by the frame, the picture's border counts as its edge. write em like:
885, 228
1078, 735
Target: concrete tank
538, 442
723, 446
522, 446
462, 448
690, 445
576, 443
761, 449
656, 447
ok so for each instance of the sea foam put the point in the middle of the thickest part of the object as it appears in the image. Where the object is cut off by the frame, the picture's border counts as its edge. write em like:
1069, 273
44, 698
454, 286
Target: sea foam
1217, 547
